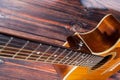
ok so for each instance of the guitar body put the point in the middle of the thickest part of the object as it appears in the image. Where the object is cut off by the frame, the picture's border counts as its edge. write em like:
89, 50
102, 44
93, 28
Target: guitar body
45, 21
105, 46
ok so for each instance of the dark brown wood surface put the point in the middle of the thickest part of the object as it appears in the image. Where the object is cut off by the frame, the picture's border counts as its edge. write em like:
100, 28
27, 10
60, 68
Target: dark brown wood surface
49, 21
21, 70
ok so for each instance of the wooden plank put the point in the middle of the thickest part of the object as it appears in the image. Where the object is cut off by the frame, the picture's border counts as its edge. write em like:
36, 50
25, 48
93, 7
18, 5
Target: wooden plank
22, 70
49, 21
56, 17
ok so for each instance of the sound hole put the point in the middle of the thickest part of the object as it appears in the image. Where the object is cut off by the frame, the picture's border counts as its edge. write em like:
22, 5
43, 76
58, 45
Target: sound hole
107, 58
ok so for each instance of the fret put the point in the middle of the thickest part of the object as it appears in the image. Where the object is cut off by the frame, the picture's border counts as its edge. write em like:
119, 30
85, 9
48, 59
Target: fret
11, 53
92, 61
35, 50
20, 50
59, 55
43, 53
72, 62
80, 59
17, 43
13, 49
7, 44
53, 54
66, 57
88, 60
84, 59
97, 59
70, 57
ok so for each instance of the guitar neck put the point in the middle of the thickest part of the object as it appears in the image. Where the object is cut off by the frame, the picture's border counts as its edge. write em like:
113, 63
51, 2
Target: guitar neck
18, 48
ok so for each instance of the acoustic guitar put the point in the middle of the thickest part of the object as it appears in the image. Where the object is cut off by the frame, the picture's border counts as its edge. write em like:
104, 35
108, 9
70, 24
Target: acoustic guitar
93, 55
89, 55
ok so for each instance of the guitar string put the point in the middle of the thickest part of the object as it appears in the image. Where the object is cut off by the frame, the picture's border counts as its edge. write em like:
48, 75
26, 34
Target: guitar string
63, 63
19, 45
31, 57
20, 57
24, 52
34, 55
48, 44
28, 50
45, 56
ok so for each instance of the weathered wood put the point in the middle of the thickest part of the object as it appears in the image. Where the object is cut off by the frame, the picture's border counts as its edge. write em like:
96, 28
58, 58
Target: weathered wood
21, 70
48, 21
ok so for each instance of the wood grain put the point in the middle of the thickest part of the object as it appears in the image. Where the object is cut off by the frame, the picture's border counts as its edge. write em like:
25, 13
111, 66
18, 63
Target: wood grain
49, 21
21, 70
39, 17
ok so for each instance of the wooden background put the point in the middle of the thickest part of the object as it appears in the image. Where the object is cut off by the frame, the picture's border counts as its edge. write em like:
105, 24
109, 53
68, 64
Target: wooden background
50, 21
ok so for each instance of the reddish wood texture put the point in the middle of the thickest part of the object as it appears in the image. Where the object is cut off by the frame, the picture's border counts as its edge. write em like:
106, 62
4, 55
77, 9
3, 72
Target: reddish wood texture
21, 70
49, 21
40, 17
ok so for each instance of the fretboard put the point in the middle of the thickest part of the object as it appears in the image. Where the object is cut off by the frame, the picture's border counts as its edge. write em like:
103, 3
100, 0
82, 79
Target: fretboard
19, 48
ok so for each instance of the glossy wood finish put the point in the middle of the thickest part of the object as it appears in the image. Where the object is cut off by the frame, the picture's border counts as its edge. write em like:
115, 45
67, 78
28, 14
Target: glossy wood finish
49, 21
107, 33
102, 36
